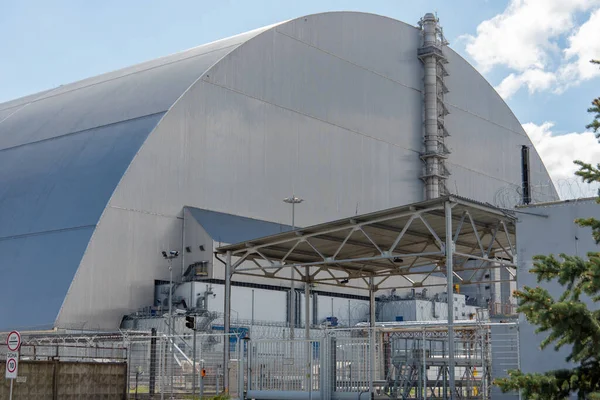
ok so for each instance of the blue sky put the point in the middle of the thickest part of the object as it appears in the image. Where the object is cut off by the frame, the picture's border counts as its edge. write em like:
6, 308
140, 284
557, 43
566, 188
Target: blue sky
58, 42
51, 43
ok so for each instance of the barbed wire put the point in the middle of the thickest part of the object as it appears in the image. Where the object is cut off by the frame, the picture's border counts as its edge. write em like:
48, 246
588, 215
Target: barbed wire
566, 188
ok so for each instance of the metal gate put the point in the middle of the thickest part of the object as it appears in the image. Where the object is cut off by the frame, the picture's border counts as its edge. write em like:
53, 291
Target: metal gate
326, 368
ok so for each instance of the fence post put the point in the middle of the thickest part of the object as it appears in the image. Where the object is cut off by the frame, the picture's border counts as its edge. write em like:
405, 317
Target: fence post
127, 349
240, 349
248, 365
424, 367
194, 364
152, 378
217, 388
333, 365
161, 368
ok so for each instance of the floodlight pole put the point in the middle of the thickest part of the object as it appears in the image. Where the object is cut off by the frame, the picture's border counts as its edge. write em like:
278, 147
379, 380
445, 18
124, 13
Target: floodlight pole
450, 289
293, 201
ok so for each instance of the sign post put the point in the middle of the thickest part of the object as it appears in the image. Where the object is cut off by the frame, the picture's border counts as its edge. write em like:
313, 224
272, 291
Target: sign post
13, 342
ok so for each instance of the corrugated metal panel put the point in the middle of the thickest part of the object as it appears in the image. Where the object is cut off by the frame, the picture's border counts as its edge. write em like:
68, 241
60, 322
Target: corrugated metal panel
228, 228
15, 103
478, 116
36, 272
65, 182
63, 151
539, 235
325, 106
51, 196
504, 343
132, 96
378, 44
278, 69
133, 92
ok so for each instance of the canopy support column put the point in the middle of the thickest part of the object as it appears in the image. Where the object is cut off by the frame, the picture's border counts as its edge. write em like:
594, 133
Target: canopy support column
308, 343
450, 289
227, 323
372, 334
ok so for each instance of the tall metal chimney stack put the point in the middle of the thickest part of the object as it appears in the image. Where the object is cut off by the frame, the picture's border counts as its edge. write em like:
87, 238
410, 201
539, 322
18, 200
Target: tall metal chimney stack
432, 56
525, 175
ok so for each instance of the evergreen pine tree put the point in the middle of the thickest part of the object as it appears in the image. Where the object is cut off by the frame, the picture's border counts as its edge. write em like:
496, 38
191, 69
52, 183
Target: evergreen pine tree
567, 320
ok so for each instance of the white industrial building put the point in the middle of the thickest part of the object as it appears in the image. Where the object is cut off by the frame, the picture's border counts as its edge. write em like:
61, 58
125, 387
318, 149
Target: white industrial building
353, 112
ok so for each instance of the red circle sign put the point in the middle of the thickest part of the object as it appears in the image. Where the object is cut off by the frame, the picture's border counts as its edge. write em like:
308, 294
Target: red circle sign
11, 365
13, 341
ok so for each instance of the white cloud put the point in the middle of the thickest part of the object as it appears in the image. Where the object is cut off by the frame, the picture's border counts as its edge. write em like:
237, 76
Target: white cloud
526, 38
535, 79
584, 45
559, 151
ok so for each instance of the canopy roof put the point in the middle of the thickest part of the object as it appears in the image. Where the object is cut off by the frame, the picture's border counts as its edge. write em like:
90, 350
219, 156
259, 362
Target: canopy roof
407, 241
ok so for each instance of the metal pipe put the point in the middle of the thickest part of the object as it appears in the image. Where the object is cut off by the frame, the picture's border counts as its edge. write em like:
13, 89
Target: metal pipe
183, 244
227, 323
450, 288
431, 110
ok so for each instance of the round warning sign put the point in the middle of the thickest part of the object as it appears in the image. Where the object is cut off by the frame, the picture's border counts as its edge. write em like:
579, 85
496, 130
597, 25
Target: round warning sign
13, 341
11, 365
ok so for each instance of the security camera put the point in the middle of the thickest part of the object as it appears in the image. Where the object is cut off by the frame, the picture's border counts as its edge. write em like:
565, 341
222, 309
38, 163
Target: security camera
172, 254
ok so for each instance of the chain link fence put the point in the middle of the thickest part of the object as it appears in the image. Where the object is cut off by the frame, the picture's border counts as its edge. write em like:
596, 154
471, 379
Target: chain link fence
398, 362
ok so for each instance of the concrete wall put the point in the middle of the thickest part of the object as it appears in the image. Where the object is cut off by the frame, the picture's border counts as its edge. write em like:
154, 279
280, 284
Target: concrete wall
67, 380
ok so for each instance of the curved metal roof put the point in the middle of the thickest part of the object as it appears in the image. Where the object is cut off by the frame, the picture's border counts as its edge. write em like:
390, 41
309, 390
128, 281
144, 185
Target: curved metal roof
62, 153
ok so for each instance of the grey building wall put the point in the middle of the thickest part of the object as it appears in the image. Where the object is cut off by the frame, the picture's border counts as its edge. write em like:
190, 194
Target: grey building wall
553, 232
328, 106
504, 352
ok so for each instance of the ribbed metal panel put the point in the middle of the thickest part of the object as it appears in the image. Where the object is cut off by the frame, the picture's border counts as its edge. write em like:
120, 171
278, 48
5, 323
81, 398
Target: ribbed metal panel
327, 106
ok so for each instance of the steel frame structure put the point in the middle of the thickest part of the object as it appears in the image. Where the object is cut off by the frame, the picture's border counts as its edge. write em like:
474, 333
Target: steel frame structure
425, 347
403, 247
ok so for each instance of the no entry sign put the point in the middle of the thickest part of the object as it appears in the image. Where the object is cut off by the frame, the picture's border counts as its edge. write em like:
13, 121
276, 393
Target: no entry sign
13, 341
12, 364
